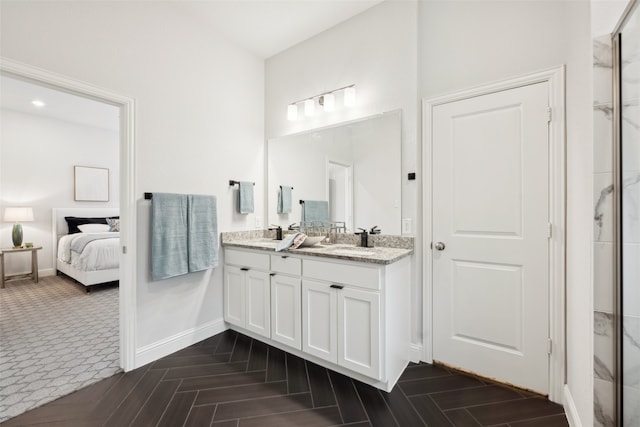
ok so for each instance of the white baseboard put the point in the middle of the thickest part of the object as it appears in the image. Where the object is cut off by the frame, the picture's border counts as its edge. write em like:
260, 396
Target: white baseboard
570, 408
159, 349
415, 352
47, 272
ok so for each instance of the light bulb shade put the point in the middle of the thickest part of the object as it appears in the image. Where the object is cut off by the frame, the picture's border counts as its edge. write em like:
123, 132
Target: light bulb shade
292, 112
309, 107
18, 214
329, 102
350, 96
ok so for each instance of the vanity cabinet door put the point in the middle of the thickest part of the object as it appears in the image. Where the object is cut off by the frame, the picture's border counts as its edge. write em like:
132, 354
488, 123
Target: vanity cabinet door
359, 331
234, 295
320, 320
258, 302
286, 313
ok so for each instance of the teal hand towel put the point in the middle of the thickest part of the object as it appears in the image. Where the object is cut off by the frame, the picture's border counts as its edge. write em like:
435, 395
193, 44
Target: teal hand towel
245, 197
203, 232
169, 256
315, 210
284, 200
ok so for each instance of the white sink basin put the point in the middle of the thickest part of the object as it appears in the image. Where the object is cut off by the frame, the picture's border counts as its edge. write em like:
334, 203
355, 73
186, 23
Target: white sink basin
351, 252
311, 240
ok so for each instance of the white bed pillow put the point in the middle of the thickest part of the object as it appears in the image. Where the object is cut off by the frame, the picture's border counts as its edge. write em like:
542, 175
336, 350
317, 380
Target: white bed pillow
94, 228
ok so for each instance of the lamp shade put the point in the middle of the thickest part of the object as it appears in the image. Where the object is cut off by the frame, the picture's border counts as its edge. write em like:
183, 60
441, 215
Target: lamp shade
292, 112
18, 214
309, 107
350, 96
329, 101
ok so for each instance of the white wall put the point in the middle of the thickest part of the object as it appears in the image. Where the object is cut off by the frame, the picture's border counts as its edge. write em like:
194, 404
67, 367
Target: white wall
199, 122
37, 156
377, 52
464, 44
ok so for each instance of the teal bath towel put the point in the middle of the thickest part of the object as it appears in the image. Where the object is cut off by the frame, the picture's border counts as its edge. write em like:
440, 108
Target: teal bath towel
169, 240
203, 233
315, 210
284, 200
245, 197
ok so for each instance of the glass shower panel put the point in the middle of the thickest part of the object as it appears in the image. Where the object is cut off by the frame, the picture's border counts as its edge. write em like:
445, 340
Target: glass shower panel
629, 98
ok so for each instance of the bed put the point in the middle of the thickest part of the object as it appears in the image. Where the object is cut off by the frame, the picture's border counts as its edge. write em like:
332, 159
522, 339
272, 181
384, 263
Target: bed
90, 258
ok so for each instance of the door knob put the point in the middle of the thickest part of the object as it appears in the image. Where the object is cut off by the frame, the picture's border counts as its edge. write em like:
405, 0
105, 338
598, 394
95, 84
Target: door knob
439, 246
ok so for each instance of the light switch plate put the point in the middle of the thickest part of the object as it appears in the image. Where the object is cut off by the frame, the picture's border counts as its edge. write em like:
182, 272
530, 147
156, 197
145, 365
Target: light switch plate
406, 226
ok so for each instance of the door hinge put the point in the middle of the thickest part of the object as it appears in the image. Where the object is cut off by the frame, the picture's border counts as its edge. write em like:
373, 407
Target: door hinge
124, 249
549, 346
550, 231
549, 114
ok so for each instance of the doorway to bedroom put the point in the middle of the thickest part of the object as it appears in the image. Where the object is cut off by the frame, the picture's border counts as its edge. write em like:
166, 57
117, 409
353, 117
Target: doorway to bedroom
57, 337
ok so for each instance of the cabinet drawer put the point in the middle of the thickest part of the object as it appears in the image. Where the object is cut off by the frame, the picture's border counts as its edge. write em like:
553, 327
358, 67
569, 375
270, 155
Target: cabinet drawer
348, 274
247, 259
286, 264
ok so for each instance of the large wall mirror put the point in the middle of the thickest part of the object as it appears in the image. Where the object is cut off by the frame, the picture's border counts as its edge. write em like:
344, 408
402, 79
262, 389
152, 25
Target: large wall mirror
355, 166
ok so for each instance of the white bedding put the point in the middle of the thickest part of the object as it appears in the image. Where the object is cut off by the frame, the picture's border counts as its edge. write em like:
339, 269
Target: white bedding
99, 254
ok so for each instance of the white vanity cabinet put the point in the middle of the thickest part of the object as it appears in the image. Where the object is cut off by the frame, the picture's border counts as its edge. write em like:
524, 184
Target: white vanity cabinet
342, 314
350, 316
247, 290
286, 320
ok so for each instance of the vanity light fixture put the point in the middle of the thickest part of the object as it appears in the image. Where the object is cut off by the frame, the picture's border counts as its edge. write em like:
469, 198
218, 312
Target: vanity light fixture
327, 100
309, 107
350, 96
292, 112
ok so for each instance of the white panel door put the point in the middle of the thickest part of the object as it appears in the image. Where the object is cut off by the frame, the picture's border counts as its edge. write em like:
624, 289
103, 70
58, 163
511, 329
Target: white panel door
234, 295
319, 320
286, 313
359, 331
490, 235
258, 310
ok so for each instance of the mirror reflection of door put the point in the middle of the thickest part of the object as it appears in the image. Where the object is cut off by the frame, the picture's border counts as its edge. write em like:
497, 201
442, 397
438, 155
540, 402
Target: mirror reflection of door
340, 187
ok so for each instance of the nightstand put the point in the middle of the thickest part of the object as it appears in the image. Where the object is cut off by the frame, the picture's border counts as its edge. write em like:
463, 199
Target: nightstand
34, 264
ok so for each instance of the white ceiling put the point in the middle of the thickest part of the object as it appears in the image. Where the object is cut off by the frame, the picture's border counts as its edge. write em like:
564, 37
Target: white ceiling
263, 27
17, 95
267, 27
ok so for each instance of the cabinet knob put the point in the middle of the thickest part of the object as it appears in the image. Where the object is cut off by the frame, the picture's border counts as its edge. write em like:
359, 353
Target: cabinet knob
336, 286
272, 274
244, 269
285, 256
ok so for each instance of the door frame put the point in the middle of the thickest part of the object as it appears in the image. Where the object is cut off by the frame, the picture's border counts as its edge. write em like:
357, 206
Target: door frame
555, 77
349, 186
127, 294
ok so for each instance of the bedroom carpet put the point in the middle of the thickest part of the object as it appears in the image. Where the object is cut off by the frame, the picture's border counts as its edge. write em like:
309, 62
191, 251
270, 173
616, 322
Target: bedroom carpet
54, 339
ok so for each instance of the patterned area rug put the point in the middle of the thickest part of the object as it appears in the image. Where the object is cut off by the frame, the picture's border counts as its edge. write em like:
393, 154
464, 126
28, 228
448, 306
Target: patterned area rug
54, 339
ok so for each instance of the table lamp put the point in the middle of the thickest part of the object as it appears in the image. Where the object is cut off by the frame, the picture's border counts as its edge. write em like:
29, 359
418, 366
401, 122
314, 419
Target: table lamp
17, 215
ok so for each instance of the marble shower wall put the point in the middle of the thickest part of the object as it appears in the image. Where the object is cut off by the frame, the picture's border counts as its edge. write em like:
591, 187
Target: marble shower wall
604, 292
630, 71
604, 344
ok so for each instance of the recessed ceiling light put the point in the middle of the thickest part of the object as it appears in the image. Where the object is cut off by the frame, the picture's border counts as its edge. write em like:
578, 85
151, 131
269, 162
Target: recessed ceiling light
38, 103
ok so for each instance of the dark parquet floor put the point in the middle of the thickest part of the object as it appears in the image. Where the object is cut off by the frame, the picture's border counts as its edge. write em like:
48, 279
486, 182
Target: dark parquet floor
230, 380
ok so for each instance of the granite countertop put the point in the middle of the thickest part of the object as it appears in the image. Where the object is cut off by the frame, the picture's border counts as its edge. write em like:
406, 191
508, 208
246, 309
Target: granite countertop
374, 255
